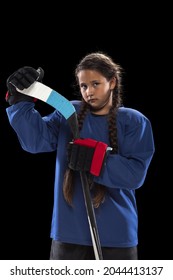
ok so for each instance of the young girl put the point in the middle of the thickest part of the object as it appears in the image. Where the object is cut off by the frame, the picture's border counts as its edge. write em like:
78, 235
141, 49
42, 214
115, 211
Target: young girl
102, 117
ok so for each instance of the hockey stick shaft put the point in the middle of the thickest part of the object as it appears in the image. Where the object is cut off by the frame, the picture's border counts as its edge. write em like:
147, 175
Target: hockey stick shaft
66, 108
91, 217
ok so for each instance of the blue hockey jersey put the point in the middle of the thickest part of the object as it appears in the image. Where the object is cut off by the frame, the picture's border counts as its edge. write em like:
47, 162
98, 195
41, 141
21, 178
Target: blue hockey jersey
123, 173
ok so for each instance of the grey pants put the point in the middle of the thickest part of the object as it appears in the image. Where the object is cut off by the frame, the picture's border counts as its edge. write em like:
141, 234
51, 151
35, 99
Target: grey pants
68, 251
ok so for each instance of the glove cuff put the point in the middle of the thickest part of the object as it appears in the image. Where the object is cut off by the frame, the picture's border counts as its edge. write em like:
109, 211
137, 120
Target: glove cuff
18, 97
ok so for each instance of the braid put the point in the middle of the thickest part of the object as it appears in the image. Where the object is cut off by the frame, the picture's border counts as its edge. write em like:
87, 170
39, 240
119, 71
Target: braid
82, 113
113, 126
68, 183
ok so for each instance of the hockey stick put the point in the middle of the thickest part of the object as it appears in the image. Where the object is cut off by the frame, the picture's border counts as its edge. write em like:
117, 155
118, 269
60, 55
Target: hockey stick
66, 108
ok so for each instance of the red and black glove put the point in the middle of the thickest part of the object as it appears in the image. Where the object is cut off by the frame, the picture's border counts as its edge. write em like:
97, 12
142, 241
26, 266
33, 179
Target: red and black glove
87, 155
22, 78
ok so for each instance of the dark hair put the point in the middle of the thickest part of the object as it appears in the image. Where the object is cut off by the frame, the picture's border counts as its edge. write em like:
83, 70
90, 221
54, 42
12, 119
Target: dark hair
105, 65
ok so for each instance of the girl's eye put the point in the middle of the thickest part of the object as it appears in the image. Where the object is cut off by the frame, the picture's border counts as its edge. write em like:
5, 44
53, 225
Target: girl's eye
83, 87
95, 84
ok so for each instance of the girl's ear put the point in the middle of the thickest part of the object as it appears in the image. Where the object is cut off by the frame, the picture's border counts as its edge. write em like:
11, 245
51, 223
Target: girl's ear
113, 83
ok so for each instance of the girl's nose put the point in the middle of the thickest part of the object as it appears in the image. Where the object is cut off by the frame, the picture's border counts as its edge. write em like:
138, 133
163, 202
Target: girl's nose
89, 92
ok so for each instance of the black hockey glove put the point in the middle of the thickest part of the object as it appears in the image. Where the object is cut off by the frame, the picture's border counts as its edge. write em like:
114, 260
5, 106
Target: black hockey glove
21, 79
87, 155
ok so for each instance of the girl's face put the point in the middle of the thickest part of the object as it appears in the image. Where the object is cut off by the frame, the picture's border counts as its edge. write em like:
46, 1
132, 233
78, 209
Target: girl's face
96, 90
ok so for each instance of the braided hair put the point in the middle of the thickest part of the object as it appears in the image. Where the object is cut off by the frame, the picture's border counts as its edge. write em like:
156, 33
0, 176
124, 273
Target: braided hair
103, 64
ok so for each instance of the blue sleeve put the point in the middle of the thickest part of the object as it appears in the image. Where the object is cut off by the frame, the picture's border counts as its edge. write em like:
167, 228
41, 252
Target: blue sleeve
128, 168
35, 133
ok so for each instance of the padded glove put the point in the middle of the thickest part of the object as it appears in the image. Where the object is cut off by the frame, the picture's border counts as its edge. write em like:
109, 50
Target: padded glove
87, 155
21, 79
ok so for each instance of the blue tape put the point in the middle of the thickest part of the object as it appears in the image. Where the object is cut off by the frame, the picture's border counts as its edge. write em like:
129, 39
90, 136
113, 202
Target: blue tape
64, 106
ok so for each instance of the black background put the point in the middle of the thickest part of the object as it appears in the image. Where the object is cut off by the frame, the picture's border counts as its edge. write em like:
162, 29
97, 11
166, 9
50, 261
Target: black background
56, 41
